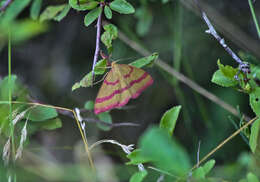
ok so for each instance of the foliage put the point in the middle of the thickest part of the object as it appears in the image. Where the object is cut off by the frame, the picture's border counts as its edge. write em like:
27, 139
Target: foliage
160, 153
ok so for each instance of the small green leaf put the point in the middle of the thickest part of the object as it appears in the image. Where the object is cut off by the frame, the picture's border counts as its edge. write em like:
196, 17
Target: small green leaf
227, 70
52, 11
254, 136
168, 121
86, 81
254, 99
136, 157
82, 5
145, 61
138, 176
62, 14
109, 35
35, 9
165, 152
251, 177
122, 6
108, 12
92, 16
89, 105
208, 166
41, 113
198, 174
106, 117
220, 79
5, 86
51, 124
13, 10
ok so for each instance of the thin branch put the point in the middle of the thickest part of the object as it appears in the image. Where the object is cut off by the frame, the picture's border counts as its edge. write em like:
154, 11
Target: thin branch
243, 66
254, 17
224, 142
93, 120
5, 5
193, 85
97, 43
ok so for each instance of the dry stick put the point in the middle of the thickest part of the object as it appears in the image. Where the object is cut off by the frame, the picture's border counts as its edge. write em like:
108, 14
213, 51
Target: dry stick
227, 28
224, 142
97, 44
181, 77
243, 66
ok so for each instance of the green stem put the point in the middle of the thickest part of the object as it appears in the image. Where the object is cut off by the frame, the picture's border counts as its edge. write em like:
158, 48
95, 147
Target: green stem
10, 100
254, 17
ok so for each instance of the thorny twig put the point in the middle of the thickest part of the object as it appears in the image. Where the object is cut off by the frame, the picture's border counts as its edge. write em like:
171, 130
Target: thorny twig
93, 120
5, 5
97, 43
243, 66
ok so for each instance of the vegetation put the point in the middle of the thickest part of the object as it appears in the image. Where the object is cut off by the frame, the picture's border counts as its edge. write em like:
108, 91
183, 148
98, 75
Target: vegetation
199, 121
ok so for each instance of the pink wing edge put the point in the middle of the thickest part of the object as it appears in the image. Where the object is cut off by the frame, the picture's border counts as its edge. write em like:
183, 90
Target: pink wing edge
118, 104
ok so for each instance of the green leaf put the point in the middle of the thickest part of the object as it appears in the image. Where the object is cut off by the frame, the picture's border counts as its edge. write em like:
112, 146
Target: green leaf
122, 6
145, 19
26, 29
165, 152
13, 10
145, 61
41, 113
35, 9
220, 79
254, 136
201, 172
228, 71
89, 105
198, 174
106, 117
136, 157
86, 81
208, 166
138, 176
108, 12
5, 85
62, 14
51, 12
109, 35
251, 177
82, 5
51, 124
168, 121
254, 99
92, 16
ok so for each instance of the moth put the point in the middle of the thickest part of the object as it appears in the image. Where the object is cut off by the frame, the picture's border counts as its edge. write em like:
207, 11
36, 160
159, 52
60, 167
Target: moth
122, 83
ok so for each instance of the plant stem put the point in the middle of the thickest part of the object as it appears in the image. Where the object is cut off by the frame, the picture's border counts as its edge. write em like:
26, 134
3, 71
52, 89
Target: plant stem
5, 5
97, 44
10, 100
254, 17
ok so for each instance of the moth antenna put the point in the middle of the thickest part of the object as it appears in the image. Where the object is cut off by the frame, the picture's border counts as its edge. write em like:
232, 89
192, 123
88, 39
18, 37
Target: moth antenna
101, 80
125, 59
